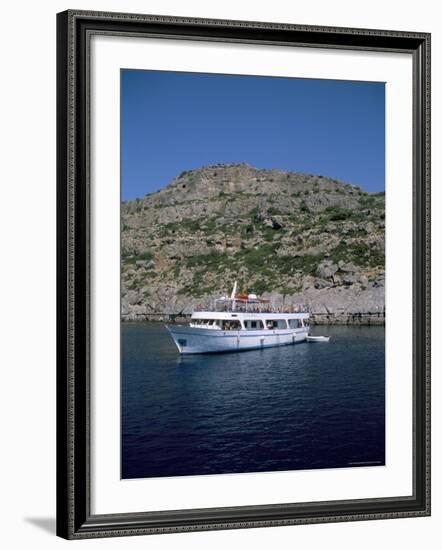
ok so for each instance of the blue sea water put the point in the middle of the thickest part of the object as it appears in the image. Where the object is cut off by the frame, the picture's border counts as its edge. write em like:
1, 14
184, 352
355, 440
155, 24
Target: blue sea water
295, 407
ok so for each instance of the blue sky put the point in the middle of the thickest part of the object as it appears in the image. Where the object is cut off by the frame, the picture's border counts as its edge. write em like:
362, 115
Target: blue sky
173, 121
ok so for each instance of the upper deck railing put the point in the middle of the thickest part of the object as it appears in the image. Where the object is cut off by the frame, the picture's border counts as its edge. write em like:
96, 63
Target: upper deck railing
258, 305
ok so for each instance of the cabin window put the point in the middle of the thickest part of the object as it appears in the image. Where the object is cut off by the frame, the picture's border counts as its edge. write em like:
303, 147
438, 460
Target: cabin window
231, 324
273, 324
253, 325
294, 323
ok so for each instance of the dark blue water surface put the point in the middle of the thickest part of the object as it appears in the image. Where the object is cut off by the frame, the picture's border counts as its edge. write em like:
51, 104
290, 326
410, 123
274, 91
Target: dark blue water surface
287, 408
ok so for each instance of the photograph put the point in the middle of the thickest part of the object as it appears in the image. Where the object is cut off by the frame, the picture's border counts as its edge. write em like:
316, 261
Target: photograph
252, 273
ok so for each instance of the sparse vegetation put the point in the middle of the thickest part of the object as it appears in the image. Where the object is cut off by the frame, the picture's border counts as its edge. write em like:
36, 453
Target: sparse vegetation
212, 260
371, 202
303, 207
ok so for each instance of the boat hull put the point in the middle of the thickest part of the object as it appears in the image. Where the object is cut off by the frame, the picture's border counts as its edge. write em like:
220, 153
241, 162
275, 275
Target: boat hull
190, 340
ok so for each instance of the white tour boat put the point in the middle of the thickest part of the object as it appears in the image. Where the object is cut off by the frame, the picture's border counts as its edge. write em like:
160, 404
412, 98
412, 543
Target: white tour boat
237, 323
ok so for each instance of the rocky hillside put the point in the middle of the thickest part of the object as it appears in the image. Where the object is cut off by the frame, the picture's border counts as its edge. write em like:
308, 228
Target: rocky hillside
301, 238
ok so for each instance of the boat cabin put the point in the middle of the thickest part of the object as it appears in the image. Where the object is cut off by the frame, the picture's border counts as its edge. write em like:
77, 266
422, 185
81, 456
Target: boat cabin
251, 321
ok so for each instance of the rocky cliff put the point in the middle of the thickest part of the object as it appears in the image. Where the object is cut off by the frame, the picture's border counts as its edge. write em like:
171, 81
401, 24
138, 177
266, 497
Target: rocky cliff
304, 239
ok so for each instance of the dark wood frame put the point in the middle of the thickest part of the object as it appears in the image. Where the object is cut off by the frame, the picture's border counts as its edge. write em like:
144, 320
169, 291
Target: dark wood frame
74, 519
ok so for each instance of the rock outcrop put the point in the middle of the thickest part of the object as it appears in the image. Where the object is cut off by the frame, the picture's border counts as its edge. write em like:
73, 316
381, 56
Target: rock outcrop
301, 239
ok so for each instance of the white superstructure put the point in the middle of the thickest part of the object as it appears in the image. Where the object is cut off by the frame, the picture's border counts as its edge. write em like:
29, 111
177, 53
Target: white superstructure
244, 323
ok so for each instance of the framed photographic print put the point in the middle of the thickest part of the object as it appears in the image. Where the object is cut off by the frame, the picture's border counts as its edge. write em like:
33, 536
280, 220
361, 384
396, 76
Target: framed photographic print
243, 274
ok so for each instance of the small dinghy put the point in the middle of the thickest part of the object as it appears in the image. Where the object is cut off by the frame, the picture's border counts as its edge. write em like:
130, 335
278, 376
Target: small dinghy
314, 339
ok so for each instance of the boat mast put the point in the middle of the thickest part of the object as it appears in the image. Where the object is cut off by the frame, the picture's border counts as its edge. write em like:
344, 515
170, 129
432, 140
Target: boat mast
232, 296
